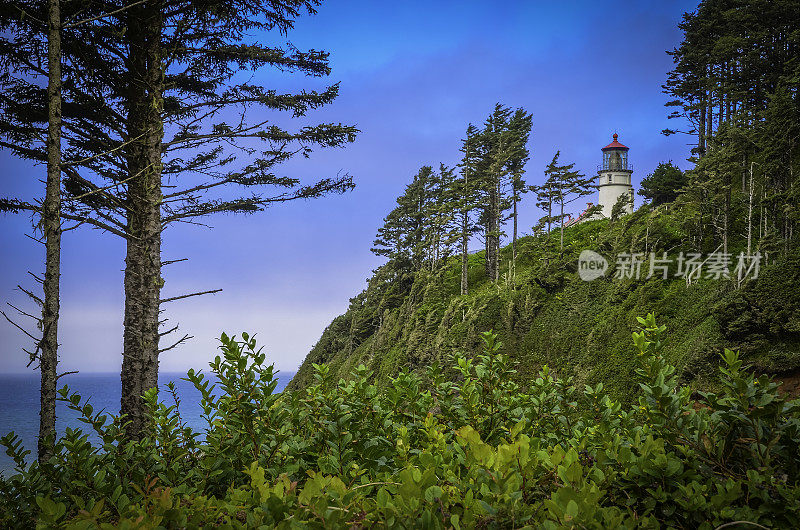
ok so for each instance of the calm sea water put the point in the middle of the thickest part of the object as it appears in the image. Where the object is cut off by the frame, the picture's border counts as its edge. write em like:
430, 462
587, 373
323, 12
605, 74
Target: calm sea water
19, 403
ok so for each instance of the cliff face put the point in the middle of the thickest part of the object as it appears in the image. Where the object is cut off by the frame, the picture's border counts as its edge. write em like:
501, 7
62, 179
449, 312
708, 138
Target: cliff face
548, 315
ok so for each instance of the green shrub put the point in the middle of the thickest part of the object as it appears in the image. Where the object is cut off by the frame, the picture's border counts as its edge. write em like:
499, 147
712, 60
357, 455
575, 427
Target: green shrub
473, 450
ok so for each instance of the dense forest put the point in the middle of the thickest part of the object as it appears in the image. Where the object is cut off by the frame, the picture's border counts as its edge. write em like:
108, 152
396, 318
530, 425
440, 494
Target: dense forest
735, 87
460, 389
734, 90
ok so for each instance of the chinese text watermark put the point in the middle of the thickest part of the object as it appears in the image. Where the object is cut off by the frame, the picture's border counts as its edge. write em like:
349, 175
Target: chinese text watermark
690, 265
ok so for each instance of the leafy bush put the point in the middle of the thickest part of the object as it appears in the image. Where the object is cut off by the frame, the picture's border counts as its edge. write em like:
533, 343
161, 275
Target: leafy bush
473, 450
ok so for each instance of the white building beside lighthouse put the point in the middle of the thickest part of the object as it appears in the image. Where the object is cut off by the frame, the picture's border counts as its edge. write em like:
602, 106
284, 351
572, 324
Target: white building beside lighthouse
614, 177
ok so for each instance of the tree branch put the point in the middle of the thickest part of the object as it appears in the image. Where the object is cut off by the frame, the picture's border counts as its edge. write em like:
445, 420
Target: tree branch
179, 342
172, 299
19, 327
104, 15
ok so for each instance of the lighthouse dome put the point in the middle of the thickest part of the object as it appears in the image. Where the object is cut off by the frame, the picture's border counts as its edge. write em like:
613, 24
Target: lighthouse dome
615, 144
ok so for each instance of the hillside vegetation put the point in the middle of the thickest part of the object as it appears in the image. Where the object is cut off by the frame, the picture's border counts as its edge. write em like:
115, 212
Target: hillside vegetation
426, 452
547, 315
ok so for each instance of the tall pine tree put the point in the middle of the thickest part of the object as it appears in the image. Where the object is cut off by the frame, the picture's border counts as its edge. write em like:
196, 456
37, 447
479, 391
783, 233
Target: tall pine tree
519, 126
160, 104
564, 185
467, 198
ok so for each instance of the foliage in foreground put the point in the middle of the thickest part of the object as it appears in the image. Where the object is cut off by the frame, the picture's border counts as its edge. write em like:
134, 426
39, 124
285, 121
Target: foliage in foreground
477, 451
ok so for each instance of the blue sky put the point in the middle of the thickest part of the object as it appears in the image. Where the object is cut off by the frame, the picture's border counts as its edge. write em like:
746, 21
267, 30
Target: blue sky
413, 75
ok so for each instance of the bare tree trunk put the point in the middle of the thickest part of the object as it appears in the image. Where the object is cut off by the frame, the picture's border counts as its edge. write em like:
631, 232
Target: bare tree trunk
51, 225
561, 215
762, 222
744, 173
709, 120
491, 236
513, 272
464, 256
143, 280
729, 74
486, 249
465, 235
701, 132
727, 216
350, 334
496, 235
750, 213
436, 250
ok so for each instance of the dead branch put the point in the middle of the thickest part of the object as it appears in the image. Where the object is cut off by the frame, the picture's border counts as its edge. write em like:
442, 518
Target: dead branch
73, 227
31, 295
20, 311
163, 333
176, 344
34, 239
172, 299
20, 328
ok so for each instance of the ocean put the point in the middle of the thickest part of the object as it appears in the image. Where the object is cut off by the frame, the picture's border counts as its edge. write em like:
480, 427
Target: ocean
19, 403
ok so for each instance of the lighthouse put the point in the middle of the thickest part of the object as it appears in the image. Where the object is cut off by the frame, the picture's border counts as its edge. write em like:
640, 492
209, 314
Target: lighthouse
614, 177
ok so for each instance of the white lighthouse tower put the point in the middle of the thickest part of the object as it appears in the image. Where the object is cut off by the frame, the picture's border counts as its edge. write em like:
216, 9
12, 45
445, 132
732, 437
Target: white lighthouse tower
614, 177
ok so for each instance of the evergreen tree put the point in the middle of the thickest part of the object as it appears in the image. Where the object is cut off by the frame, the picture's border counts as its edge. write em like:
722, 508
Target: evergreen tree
31, 55
622, 203
467, 197
520, 129
544, 201
735, 77
501, 161
49, 209
437, 209
405, 235
563, 185
441, 218
664, 184
149, 108
51, 228
492, 171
